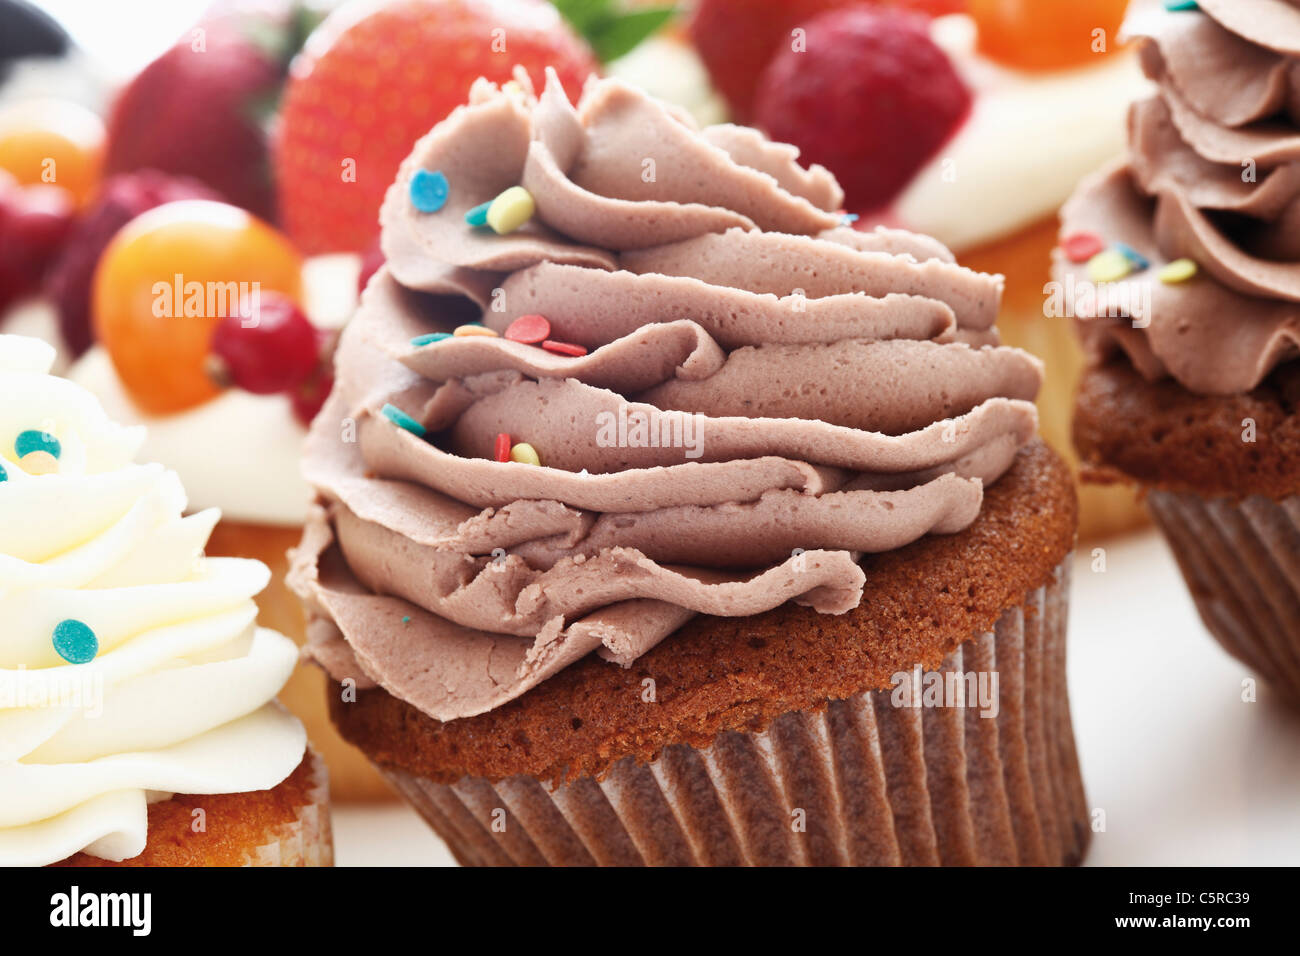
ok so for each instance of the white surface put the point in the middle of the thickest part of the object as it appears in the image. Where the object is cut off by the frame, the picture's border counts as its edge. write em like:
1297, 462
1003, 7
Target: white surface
1186, 772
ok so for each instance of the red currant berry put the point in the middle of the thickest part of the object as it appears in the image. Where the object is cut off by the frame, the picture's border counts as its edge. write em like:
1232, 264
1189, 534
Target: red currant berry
309, 397
272, 350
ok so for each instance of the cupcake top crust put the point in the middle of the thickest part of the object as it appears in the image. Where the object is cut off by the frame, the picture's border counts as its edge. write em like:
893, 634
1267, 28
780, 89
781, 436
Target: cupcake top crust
620, 371
1194, 241
130, 667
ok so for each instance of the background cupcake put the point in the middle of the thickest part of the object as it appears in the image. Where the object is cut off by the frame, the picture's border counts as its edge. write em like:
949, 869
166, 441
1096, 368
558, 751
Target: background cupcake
1190, 317
133, 668
515, 501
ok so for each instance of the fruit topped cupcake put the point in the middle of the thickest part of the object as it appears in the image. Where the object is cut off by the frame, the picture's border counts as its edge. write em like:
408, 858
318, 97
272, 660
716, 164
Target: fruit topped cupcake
646, 478
132, 666
1183, 263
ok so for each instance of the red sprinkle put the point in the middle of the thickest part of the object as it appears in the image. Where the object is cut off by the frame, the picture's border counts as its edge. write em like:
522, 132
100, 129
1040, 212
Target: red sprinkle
1082, 246
529, 329
564, 348
503, 447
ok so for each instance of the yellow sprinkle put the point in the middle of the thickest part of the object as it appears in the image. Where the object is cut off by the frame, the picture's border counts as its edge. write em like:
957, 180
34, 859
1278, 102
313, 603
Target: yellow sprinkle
510, 210
525, 453
1108, 266
39, 463
474, 330
1180, 270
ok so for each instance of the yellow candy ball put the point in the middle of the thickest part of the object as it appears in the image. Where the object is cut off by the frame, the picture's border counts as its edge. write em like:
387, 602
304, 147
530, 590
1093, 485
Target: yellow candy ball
510, 210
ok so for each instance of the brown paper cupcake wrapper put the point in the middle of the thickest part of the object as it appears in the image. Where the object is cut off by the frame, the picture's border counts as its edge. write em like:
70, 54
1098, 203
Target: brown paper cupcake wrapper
862, 782
1241, 561
309, 839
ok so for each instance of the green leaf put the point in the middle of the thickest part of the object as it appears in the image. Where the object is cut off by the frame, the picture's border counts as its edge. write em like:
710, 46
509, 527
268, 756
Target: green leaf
611, 31
622, 34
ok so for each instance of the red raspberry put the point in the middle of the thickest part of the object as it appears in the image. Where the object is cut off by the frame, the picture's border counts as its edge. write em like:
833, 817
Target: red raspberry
872, 99
274, 351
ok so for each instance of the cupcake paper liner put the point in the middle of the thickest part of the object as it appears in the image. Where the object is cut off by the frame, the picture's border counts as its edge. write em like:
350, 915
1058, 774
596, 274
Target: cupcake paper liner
863, 781
308, 840
1241, 561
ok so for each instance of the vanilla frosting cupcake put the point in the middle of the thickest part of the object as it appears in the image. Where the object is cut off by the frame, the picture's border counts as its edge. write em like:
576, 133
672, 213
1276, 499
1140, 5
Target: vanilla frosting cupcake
132, 666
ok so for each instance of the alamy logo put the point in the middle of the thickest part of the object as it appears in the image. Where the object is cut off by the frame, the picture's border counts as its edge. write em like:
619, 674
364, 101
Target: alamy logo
131, 910
636, 429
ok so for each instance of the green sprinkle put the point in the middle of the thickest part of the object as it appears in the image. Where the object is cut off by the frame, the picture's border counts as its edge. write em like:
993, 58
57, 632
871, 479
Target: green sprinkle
75, 642
33, 440
478, 215
421, 340
403, 420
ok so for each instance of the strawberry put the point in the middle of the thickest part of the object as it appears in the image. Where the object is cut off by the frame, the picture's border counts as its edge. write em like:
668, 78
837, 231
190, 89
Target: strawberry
199, 109
363, 90
737, 38
872, 99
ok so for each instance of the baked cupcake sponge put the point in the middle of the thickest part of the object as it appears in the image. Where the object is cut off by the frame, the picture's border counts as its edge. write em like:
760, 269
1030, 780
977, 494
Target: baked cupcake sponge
777, 738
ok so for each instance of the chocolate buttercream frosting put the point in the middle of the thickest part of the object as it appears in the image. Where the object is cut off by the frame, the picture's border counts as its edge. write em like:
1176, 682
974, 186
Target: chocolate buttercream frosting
1213, 175
765, 396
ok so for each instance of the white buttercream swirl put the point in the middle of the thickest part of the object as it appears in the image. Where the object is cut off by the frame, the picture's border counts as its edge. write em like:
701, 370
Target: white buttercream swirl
179, 697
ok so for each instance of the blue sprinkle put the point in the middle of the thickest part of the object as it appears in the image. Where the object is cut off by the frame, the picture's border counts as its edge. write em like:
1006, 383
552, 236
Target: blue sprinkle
429, 190
478, 215
75, 642
1132, 255
32, 440
429, 339
848, 219
403, 420
406, 620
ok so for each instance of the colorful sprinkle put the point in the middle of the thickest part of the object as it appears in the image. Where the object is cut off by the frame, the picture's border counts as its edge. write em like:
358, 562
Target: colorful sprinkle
403, 420
510, 210
1082, 246
502, 450
1140, 262
1180, 270
564, 348
1109, 266
39, 463
848, 218
478, 215
529, 329
429, 190
75, 642
422, 340
4, 475
406, 619
474, 328
33, 440
525, 453
1180, 6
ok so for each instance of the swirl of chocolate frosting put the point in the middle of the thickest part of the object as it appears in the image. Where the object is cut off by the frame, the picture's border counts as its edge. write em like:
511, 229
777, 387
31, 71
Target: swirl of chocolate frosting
1213, 175
765, 396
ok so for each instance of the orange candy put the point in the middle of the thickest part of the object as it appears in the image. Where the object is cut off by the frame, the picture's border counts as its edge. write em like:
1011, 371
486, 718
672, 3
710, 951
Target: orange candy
54, 142
1047, 34
165, 282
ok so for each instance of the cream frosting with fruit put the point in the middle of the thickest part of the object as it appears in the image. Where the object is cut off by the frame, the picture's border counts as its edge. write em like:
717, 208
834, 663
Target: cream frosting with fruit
132, 667
1029, 139
239, 452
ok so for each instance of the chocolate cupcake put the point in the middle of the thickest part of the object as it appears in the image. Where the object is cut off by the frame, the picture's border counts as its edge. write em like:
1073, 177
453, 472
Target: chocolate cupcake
663, 519
1190, 316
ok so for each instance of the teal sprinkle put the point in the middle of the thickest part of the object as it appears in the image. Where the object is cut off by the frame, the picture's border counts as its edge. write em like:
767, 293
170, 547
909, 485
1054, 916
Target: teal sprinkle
1179, 6
403, 420
1139, 261
848, 219
4, 475
406, 620
32, 440
421, 340
75, 642
478, 215
429, 190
